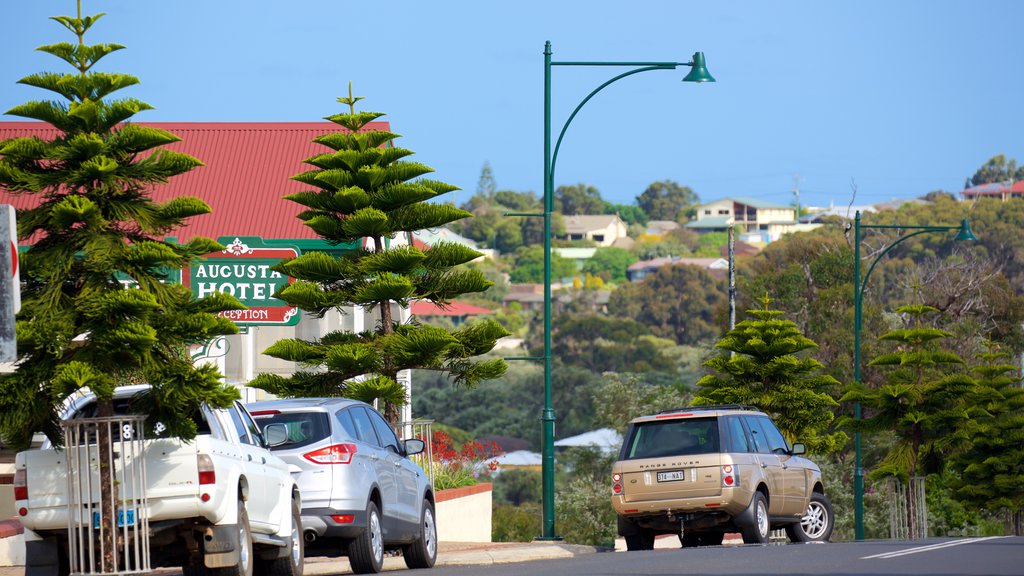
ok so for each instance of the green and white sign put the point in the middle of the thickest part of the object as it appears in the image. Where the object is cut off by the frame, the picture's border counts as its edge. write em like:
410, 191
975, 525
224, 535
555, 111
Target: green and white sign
243, 270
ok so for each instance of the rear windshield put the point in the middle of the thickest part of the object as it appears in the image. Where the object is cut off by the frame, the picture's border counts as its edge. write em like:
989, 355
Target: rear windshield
672, 437
304, 428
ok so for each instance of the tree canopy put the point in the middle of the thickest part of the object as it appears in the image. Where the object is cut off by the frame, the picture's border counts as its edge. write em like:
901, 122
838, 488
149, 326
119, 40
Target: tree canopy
676, 301
666, 200
363, 188
96, 229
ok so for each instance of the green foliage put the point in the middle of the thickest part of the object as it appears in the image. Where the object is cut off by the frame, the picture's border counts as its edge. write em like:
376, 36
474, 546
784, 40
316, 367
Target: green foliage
991, 473
620, 398
676, 301
583, 513
529, 267
667, 200
610, 263
79, 328
924, 402
516, 523
364, 189
767, 370
604, 344
631, 214
997, 169
518, 486
578, 199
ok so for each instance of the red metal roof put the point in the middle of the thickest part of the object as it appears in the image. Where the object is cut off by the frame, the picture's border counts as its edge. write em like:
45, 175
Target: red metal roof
454, 308
247, 172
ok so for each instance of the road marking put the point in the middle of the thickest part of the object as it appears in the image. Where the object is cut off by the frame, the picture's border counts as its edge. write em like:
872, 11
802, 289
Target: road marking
930, 548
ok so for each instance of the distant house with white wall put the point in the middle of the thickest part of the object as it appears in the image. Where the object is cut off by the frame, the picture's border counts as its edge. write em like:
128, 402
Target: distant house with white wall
602, 229
640, 270
769, 220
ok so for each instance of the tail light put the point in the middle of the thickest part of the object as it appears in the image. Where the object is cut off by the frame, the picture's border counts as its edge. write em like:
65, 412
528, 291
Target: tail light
730, 476
617, 483
207, 475
20, 485
334, 454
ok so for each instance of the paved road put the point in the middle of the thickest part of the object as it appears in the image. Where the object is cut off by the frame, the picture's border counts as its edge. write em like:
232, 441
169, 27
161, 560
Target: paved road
1002, 556
933, 557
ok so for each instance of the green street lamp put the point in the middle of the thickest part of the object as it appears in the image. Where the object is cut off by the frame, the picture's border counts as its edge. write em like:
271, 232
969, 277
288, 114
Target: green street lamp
963, 232
698, 73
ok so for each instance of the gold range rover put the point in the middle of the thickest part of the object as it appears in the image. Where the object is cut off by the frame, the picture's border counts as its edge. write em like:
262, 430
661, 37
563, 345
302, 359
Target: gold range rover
704, 471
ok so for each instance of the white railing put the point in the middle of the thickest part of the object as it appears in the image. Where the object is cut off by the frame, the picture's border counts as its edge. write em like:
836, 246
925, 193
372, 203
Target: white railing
420, 429
108, 526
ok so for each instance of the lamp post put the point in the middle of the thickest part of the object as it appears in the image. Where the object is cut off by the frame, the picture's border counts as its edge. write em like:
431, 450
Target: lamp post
698, 73
963, 232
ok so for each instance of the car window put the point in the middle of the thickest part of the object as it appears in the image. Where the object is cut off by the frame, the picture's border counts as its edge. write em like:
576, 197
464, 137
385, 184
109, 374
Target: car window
384, 431
757, 435
240, 430
673, 437
737, 435
776, 441
304, 428
364, 427
347, 425
254, 430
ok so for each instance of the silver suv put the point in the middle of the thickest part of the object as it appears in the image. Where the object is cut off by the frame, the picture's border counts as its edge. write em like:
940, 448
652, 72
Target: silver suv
703, 471
361, 494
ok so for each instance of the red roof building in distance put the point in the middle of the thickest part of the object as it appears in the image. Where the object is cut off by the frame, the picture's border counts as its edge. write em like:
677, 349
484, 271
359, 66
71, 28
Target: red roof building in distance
247, 172
455, 310
1002, 190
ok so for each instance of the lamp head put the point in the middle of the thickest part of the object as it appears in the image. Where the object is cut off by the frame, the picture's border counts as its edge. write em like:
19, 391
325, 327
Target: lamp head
698, 71
965, 231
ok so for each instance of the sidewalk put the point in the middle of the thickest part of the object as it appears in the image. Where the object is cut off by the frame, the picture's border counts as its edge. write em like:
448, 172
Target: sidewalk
449, 554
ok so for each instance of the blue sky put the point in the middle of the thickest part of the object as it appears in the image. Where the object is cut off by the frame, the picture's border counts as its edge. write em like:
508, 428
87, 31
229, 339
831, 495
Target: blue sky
897, 98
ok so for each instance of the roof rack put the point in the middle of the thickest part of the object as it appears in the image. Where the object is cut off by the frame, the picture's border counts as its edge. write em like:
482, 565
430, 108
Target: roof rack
712, 407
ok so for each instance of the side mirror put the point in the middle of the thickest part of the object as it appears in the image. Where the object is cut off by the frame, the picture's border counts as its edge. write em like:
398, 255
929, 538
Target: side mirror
799, 448
413, 446
276, 434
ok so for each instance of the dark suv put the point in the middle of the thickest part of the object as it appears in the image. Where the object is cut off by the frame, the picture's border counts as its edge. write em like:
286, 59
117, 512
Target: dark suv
703, 471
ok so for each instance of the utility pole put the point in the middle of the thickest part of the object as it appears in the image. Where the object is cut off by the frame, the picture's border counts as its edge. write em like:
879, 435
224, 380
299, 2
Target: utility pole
796, 194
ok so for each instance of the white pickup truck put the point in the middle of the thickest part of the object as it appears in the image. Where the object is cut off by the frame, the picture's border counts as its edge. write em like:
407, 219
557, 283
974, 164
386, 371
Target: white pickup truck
221, 504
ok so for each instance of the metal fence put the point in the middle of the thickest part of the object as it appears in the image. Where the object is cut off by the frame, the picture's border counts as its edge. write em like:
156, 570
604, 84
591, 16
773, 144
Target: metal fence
908, 515
121, 544
420, 429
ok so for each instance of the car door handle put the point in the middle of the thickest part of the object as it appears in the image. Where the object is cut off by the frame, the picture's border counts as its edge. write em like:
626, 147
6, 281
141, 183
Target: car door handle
250, 457
374, 457
763, 465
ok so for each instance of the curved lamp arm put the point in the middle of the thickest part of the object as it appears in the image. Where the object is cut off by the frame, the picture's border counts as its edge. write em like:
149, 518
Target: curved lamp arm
864, 282
558, 143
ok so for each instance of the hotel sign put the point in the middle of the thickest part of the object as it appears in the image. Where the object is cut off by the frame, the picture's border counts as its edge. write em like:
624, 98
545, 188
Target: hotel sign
242, 270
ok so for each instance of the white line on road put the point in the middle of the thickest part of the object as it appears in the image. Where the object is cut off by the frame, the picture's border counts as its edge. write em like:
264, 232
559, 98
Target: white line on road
939, 546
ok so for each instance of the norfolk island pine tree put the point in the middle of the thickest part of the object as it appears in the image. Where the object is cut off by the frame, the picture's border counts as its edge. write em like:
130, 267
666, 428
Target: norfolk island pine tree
365, 193
79, 328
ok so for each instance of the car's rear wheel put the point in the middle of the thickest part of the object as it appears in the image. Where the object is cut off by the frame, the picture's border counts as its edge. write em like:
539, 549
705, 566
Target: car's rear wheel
366, 552
423, 552
243, 545
757, 532
817, 524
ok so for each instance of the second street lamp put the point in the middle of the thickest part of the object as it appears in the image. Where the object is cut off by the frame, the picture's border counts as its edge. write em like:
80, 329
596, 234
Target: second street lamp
698, 73
963, 232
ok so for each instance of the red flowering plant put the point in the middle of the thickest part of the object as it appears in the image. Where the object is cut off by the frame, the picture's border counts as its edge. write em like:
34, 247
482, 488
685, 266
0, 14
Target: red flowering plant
464, 466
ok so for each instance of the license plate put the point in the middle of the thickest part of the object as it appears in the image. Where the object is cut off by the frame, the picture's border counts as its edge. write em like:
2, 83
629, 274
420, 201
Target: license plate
674, 476
120, 518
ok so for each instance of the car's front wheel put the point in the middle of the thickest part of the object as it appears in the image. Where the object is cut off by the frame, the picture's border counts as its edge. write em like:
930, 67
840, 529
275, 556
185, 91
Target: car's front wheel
817, 524
423, 552
292, 564
366, 552
757, 532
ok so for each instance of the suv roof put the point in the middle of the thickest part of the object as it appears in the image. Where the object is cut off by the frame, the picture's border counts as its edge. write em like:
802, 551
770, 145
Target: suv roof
303, 403
716, 410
